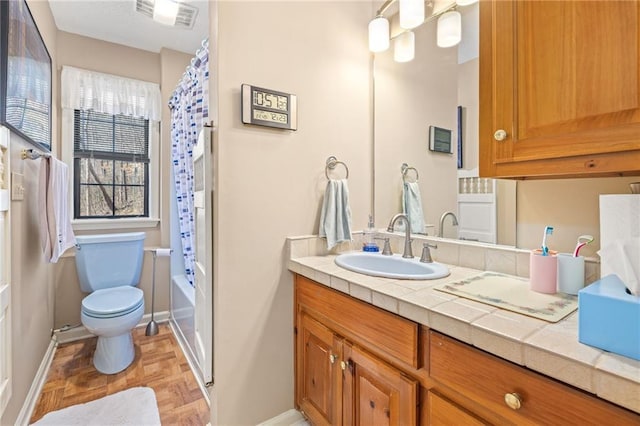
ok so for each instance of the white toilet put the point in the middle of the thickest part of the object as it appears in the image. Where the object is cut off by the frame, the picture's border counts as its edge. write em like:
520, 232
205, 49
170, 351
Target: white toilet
109, 268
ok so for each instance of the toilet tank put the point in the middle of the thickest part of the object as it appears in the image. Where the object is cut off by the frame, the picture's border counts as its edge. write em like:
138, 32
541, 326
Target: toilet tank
109, 260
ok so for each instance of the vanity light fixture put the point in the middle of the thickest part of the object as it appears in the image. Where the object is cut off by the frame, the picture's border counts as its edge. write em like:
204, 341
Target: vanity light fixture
165, 11
404, 47
449, 29
411, 13
379, 34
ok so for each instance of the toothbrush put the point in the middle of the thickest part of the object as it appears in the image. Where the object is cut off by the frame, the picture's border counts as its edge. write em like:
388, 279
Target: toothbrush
583, 240
548, 230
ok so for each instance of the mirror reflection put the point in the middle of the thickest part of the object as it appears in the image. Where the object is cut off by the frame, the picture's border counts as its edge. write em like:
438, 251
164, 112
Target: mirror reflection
416, 172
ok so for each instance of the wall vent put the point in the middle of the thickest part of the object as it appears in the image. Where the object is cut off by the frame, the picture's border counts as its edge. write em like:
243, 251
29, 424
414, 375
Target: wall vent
186, 13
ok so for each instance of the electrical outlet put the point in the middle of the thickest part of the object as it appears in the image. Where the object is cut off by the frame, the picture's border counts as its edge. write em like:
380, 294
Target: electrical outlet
17, 187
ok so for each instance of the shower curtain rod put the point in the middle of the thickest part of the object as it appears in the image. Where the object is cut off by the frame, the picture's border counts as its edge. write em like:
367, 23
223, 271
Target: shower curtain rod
205, 45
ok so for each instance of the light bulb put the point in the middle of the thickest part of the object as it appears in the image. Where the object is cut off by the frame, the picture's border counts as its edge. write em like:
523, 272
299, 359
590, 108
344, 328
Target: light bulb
449, 29
404, 47
165, 11
378, 34
411, 13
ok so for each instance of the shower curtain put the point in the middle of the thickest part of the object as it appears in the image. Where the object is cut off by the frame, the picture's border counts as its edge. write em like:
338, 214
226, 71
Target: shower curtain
189, 113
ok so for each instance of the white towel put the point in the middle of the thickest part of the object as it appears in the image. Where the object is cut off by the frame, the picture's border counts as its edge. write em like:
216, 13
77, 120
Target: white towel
412, 206
56, 233
335, 217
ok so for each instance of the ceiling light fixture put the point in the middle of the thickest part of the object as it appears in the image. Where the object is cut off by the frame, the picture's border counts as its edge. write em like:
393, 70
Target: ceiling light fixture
165, 11
411, 13
379, 34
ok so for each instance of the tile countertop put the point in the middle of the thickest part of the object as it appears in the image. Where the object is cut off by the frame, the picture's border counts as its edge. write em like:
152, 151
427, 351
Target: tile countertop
549, 348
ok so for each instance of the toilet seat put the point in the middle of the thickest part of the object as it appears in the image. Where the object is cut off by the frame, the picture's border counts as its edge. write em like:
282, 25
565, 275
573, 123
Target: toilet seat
112, 302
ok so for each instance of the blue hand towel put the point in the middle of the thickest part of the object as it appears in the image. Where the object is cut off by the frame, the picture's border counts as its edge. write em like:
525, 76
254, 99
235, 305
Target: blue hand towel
412, 206
335, 218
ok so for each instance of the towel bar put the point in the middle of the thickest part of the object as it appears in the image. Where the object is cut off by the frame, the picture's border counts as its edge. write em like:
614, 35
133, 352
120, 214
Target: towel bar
332, 162
32, 154
405, 169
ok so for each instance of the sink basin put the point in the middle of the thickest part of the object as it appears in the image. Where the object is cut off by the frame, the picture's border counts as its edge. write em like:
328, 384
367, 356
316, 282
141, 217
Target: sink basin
394, 266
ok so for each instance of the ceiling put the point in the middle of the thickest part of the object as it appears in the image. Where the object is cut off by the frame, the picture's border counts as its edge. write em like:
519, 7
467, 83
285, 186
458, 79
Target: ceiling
118, 22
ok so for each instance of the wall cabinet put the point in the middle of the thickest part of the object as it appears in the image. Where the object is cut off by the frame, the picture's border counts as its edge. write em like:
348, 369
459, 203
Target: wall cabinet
560, 88
357, 364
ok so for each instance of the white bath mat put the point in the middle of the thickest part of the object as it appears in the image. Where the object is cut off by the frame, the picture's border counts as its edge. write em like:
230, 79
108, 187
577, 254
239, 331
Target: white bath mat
135, 406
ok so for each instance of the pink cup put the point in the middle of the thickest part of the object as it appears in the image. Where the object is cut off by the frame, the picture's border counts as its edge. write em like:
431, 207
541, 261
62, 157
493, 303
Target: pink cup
543, 272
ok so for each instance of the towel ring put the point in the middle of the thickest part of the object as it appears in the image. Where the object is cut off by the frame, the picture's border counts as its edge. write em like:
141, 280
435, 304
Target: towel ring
332, 162
405, 169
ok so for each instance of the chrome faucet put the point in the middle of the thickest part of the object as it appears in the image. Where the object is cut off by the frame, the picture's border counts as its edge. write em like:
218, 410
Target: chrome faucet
408, 253
443, 217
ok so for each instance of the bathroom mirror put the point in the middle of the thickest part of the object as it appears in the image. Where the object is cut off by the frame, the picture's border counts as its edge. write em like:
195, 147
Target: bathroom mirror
410, 98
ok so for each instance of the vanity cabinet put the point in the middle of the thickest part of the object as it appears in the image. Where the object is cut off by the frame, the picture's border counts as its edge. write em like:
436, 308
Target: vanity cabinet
356, 364
353, 360
560, 88
516, 394
320, 377
375, 393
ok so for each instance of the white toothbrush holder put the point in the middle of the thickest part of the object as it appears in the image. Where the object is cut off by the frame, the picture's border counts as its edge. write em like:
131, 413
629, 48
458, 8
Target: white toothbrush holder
570, 273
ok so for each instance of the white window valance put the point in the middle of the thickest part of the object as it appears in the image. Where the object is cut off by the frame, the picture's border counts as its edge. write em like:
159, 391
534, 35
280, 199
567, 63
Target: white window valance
110, 94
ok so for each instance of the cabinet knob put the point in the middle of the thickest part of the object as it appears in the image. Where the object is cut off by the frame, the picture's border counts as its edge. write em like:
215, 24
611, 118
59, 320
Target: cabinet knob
513, 400
332, 358
500, 135
343, 365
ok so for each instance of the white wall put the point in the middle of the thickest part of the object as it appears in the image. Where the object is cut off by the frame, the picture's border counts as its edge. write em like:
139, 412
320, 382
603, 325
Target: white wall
270, 182
32, 288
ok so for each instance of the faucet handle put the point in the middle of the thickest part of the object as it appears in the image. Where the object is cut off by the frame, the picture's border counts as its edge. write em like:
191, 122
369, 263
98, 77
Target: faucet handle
426, 252
386, 250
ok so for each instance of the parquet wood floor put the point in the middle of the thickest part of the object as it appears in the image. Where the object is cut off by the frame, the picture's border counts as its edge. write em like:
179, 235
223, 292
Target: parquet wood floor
159, 364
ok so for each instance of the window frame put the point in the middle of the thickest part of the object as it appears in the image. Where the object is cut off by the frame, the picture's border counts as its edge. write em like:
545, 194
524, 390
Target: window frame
112, 157
82, 224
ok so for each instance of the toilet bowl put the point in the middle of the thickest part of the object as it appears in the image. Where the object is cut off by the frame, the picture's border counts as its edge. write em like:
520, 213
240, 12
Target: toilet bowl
111, 314
109, 268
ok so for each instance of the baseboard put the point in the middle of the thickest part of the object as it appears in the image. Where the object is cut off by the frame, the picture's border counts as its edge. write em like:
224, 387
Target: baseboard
79, 333
36, 386
289, 418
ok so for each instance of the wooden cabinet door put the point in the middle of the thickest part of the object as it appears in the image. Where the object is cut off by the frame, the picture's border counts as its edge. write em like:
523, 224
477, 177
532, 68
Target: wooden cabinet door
443, 412
318, 375
562, 80
375, 393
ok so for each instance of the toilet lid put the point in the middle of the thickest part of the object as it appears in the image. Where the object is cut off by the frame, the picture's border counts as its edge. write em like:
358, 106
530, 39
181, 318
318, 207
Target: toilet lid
112, 301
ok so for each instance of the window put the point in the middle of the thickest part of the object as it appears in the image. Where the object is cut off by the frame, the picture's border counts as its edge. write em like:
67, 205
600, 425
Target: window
111, 165
111, 142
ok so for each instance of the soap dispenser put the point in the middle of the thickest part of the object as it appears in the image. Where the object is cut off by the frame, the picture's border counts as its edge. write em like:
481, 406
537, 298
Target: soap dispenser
369, 238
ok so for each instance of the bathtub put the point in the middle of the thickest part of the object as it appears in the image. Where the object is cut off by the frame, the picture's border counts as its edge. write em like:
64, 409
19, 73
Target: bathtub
183, 298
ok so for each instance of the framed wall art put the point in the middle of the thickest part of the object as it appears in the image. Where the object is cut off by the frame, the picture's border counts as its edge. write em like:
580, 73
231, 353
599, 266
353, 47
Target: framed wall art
25, 75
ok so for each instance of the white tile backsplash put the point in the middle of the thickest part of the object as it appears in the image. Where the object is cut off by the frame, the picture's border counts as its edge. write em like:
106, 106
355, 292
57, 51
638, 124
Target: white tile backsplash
500, 260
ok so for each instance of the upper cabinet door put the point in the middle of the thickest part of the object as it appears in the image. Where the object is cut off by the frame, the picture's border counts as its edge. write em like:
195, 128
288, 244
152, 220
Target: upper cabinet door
559, 88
